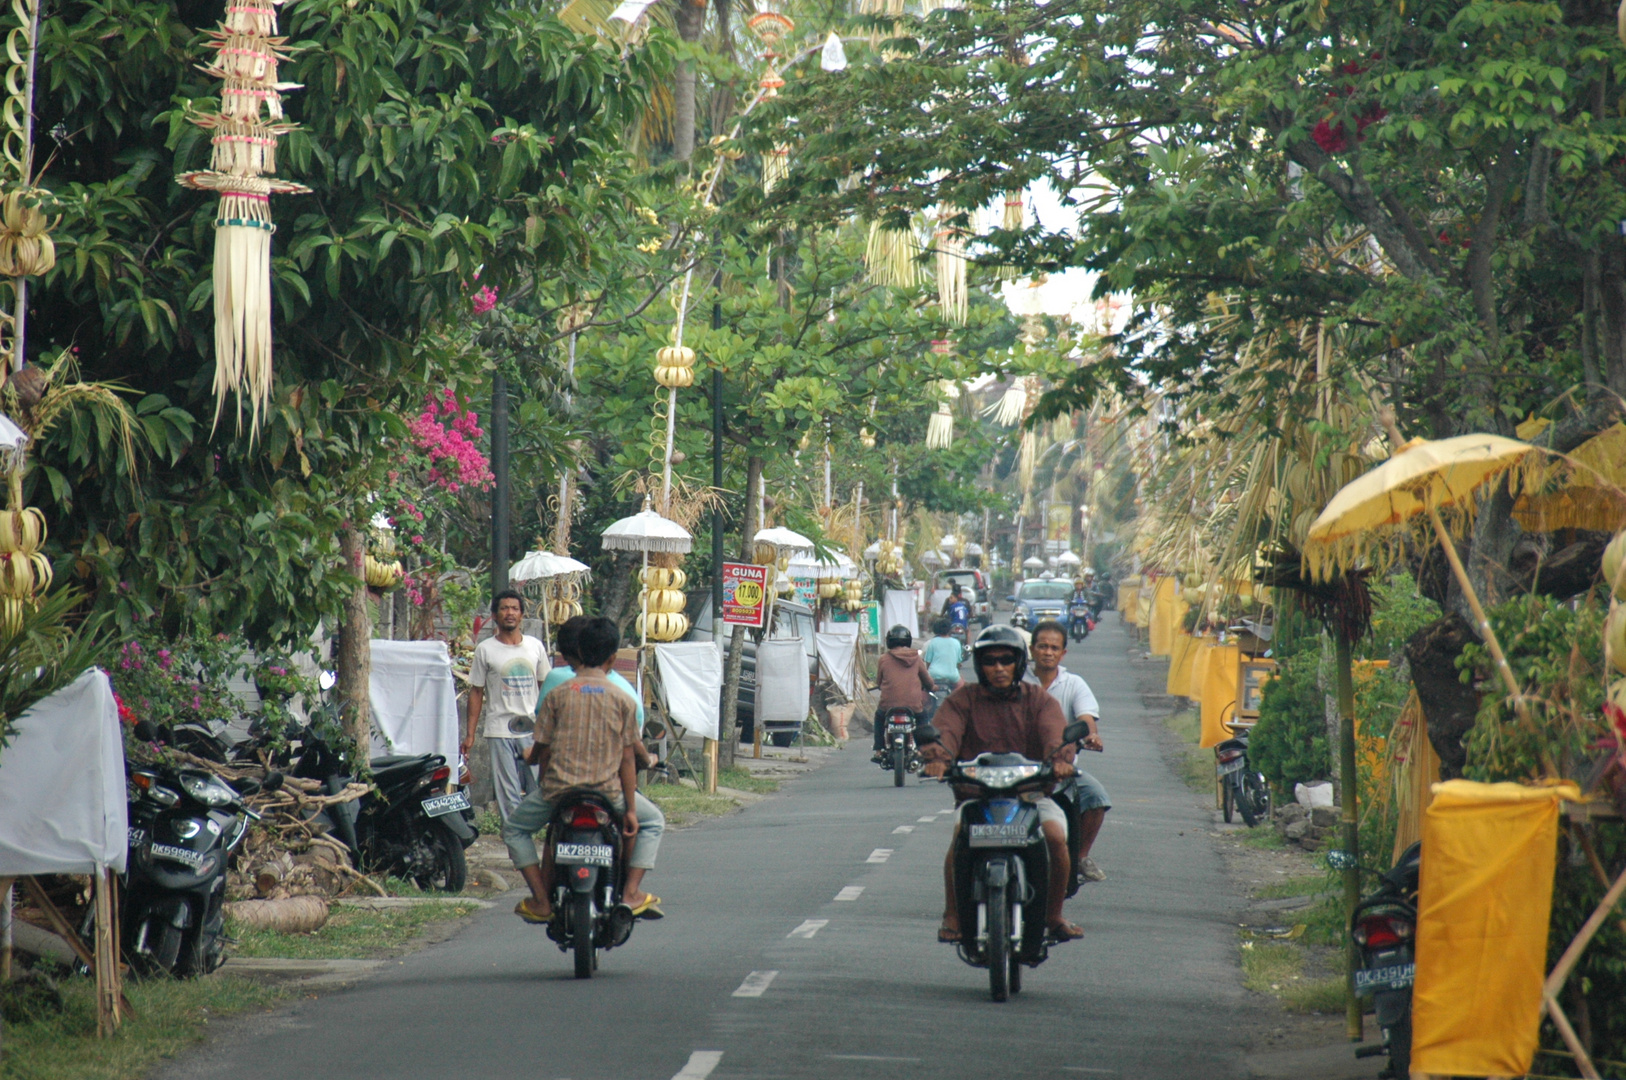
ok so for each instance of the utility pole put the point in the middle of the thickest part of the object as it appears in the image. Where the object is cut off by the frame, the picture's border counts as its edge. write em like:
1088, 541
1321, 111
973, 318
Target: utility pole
499, 487
722, 750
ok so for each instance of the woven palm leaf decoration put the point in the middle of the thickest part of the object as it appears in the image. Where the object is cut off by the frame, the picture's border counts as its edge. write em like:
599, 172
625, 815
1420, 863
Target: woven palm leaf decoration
940, 427
244, 136
949, 242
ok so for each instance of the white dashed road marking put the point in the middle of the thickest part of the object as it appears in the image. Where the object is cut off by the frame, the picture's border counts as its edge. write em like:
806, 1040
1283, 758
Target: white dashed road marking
868, 1057
809, 928
880, 854
753, 986
903, 829
700, 1064
929, 819
851, 892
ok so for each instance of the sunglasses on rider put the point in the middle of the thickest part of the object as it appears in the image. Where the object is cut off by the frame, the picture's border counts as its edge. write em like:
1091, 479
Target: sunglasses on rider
999, 660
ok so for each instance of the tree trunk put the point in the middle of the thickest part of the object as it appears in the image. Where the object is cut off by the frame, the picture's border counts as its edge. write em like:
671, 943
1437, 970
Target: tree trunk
1349, 789
728, 738
616, 606
353, 664
691, 20
1449, 706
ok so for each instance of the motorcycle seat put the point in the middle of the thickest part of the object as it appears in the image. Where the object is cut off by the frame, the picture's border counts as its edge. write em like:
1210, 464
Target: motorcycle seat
397, 763
1232, 744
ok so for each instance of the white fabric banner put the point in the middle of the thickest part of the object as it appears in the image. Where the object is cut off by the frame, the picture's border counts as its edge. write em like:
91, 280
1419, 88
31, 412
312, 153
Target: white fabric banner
837, 643
62, 792
692, 677
898, 608
782, 682
414, 699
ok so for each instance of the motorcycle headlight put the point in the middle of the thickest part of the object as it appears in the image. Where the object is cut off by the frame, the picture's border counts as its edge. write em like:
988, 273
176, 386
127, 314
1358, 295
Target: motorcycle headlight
1000, 776
207, 790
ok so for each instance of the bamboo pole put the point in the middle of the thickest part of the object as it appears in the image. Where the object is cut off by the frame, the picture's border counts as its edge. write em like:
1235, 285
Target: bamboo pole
1349, 785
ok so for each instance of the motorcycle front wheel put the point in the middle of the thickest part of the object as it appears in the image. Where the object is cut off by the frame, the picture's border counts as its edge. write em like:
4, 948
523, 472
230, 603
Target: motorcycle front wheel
582, 928
999, 945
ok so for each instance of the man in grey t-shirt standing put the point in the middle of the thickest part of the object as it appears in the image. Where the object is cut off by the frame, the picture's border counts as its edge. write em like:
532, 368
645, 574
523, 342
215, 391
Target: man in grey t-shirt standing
505, 676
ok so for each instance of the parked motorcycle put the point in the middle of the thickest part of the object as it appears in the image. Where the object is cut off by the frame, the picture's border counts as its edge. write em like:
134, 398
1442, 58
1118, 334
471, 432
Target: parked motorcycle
584, 847
1080, 621
1384, 928
1242, 787
898, 737
410, 826
184, 825
1001, 862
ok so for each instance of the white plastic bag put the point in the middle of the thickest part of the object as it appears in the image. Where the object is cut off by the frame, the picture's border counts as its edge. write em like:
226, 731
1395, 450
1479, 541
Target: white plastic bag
1316, 794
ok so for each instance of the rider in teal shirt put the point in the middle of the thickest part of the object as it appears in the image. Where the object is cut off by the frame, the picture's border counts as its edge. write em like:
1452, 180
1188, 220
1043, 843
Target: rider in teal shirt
943, 656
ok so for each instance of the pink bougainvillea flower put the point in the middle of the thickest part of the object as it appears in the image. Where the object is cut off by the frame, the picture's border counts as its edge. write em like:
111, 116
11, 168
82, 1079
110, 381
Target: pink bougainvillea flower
485, 299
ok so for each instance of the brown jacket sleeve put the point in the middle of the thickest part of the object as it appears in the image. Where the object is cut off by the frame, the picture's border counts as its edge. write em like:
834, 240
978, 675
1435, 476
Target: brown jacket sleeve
950, 721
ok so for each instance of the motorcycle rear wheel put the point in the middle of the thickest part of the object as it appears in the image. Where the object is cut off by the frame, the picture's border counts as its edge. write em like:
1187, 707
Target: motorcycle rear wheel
900, 765
1227, 801
582, 930
1400, 1048
999, 944
450, 869
1245, 800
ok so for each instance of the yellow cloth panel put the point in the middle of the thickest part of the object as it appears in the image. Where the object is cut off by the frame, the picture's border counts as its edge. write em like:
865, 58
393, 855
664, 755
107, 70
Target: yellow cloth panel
1128, 597
1181, 660
1483, 904
1219, 693
1164, 597
1199, 668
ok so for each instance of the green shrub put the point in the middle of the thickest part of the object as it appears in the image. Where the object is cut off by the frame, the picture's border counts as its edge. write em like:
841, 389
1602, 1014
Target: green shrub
1289, 744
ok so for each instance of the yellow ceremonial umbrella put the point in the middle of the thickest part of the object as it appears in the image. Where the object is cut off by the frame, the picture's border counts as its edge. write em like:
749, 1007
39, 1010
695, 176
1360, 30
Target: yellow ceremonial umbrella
1421, 477
1595, 497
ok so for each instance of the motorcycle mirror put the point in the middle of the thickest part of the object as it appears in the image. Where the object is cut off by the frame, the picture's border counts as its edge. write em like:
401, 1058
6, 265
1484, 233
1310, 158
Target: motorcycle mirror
273, 782
926, 733
1342, 860
1074, 732
327, 680
145, 731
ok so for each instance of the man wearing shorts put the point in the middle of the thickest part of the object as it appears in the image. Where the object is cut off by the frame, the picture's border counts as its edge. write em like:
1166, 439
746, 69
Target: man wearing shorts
1077, 702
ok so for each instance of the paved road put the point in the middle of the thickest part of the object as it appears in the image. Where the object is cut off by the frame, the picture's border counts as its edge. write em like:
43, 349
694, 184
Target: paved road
799, 944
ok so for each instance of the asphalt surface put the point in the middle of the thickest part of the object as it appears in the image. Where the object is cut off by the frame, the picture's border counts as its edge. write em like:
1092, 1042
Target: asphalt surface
800, 942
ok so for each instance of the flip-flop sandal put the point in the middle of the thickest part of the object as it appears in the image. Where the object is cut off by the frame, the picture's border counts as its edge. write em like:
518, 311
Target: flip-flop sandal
649, 908
948, 935
1064, 931
524, 911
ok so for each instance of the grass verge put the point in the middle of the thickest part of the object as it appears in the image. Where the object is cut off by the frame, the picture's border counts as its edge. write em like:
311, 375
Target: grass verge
1306, 885
1265, 838
349, 933
683, 805
742, 779
1268, 967
1194, 764
170, 1015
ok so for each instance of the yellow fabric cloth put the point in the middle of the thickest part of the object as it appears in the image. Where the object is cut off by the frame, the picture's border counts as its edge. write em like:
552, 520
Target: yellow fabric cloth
1199, 668
1181, 660
1128, 600
1484, 899
1165, 595
1219, 693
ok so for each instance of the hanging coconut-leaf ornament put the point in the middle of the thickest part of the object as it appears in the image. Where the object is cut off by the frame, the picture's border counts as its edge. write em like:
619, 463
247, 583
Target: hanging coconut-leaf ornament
26, 248
866, 438
561, 610
382, 575
663, 626
661, 577
244, 135
23, 577
665, 601
21, 531
1613, 556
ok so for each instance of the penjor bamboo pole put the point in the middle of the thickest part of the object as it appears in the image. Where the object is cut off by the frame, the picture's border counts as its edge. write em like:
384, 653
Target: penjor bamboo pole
19, 285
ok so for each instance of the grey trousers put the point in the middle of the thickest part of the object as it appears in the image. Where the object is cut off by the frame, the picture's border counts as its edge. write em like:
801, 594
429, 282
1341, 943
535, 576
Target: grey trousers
519, 831
511, 778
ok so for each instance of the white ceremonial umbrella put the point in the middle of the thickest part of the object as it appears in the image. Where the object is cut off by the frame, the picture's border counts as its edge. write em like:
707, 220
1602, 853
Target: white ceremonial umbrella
646, 531
545, 564
13, 442
1067, 558
788, 541
1033, 562
835, 565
